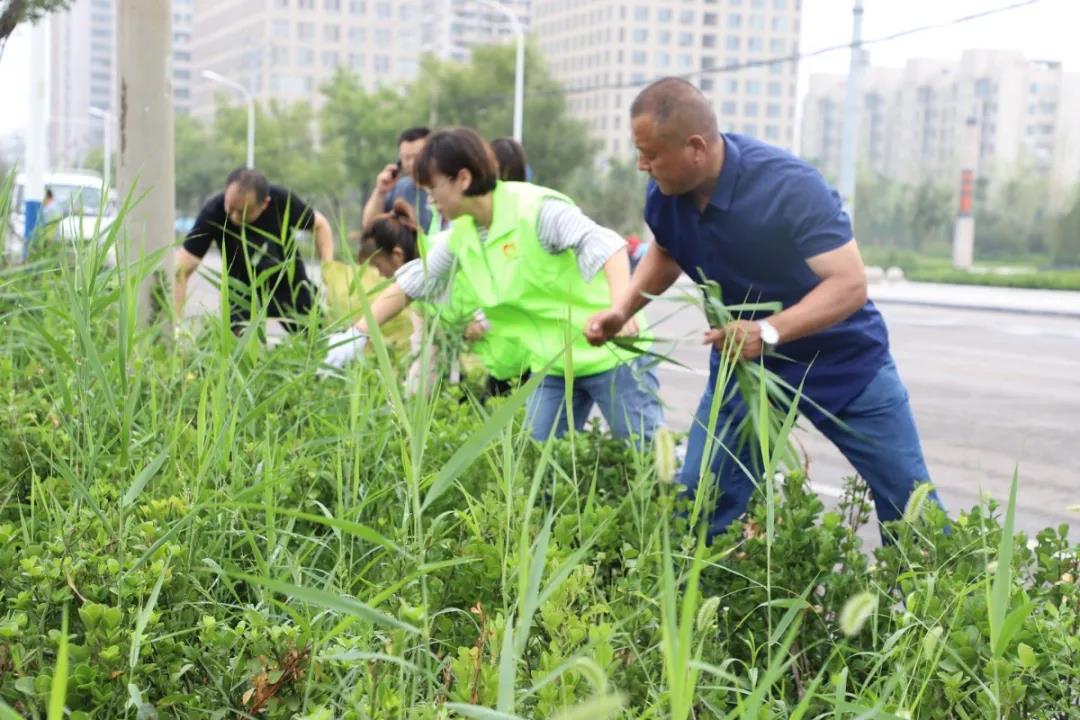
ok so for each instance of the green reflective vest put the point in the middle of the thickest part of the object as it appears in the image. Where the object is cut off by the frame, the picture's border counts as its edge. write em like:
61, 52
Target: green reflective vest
535, 301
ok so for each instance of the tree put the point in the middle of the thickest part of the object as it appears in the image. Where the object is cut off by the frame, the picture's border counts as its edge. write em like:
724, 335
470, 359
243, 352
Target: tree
287, 150
932, 215
1014, 222
335, 167
201, 164
480, 94
881, 212
1065, 236
615, 199
899, 216
363, 127
20, 11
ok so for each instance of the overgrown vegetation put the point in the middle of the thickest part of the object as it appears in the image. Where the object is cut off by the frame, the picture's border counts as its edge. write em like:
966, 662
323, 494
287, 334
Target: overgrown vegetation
1020, 273
1014, 218
210, 530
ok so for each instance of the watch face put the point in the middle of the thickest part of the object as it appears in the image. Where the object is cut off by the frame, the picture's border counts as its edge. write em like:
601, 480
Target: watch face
769, 335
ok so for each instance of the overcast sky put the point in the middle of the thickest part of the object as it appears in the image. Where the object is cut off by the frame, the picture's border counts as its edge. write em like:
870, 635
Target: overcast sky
1045, 30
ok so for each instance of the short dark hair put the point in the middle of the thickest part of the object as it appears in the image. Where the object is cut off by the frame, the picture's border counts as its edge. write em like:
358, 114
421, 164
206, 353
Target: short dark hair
677, 104
250, 180
413, 134
450, 151
511, 158
395, 229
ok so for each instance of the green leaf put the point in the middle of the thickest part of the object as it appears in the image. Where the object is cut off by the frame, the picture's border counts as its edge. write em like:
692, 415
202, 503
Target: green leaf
630, 344
1001, 589
1013, 622
931, 639
597, 708
58, 690
144, 476
330, 601
352, 528
857, 610
1026, 656
144, 618
6, 713
25, 685
471, 449
481, 713
507, 670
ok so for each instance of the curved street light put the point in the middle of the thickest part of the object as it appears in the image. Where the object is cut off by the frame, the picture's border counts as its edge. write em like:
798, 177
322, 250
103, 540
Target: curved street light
249, 99
519, 68
106, 120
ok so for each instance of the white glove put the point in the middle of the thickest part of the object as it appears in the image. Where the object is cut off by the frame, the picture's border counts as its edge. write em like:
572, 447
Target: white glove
344, 347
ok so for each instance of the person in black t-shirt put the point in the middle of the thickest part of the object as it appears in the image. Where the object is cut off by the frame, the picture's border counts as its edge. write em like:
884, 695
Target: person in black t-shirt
253, 223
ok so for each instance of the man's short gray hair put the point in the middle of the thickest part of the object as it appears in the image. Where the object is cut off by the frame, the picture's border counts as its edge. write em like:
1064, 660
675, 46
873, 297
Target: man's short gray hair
677, 106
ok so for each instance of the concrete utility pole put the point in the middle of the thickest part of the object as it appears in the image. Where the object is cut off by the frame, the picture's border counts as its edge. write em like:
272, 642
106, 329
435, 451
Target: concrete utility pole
852, 115
36, 144
963, 251
145, 130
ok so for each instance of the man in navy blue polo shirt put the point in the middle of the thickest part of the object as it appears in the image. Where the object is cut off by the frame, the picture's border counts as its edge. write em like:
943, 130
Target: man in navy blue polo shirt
766, 227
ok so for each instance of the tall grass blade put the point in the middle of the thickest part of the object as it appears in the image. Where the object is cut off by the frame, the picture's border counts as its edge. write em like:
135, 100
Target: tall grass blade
329, 601
58, 687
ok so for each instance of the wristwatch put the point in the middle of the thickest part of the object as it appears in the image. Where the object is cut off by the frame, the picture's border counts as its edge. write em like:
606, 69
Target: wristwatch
770, 336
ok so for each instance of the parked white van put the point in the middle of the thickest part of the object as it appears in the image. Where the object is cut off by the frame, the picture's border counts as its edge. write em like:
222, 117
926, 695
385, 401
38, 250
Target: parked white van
77, 205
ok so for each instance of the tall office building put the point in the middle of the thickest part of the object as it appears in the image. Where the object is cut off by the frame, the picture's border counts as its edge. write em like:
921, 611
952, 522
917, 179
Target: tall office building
451, 28
82, 71
286, 49
182, 62
605, 51
823, 120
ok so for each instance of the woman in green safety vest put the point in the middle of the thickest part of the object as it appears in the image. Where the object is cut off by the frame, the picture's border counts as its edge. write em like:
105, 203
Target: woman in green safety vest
507, 362
539, 269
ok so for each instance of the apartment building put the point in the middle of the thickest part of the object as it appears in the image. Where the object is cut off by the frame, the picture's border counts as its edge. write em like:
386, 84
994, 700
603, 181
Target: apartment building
605, 51
913, 118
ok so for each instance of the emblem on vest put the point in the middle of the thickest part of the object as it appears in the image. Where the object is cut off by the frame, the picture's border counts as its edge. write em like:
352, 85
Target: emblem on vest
509, 249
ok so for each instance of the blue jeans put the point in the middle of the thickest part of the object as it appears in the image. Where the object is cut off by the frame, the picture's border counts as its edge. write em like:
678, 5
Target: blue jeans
628, 396
880, 441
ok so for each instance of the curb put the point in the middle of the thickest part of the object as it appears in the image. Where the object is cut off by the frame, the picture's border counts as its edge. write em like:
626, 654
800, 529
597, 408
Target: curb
1065, 313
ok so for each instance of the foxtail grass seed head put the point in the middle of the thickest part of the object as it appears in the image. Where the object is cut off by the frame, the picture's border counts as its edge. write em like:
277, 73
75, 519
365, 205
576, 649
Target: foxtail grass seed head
706, 616
857, 610
664, 455
917, 502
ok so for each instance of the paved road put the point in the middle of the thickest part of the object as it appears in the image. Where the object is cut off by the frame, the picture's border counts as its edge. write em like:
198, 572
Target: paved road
991, 391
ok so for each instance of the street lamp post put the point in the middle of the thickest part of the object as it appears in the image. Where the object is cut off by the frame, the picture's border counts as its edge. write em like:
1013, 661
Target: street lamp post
250, 100
519, 69
106, 120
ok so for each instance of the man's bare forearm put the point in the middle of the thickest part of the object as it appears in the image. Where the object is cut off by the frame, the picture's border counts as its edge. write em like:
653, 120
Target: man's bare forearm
656, 273
832, 301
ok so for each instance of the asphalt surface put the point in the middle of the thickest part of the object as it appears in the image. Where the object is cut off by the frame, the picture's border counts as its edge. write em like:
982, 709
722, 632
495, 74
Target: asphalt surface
992, 392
